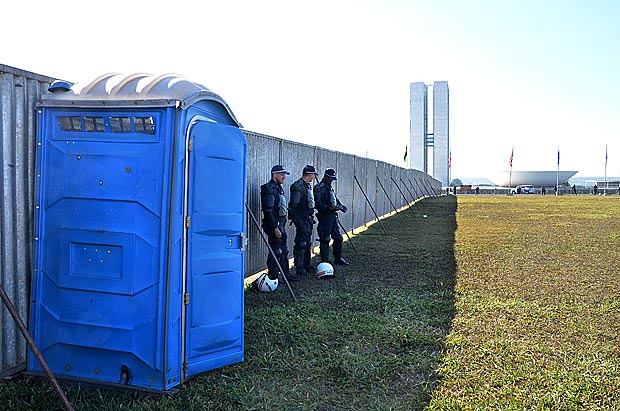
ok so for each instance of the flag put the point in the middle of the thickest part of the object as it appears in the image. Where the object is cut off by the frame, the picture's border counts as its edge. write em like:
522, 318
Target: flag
450, 160
605, 153
558, 156
511, 155
405, 157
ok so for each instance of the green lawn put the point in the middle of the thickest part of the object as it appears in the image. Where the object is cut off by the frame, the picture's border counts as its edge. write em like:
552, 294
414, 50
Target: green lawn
494, 302
538, 305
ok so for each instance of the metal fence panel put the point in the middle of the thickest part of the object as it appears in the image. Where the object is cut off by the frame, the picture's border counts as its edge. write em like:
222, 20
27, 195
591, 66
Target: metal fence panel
358, 213
19, 91
344, 188
371, 190
383, 201
263, 152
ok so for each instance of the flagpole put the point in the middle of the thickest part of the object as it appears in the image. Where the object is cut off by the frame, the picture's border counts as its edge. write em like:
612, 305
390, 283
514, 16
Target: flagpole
510, 174
449, 168
605, 189
557, 175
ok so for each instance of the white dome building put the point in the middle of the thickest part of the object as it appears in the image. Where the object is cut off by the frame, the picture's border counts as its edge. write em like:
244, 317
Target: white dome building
535, 178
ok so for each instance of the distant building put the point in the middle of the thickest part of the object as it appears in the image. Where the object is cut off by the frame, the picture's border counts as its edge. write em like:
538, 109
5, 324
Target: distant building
418, 126
535, 178
420, 137
607, 184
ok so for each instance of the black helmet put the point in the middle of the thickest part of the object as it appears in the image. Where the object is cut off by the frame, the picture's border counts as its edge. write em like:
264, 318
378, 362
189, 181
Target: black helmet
331, 173
279, 169
309, 169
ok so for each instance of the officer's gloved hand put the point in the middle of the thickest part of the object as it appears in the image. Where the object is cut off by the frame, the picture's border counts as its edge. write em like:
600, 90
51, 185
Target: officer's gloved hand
343, 208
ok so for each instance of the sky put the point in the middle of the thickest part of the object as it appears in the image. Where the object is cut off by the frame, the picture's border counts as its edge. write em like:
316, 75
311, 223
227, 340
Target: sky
533, 76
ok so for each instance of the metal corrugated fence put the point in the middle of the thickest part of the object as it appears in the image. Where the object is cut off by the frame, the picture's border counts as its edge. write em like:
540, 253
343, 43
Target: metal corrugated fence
19, 91
385, 185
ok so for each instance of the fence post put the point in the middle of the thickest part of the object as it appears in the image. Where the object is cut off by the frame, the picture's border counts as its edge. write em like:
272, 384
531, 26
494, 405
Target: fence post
370, 204
388, 197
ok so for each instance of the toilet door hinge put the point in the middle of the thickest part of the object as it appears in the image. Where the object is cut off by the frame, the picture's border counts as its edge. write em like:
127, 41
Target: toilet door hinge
188, 221
190, 145
186, 298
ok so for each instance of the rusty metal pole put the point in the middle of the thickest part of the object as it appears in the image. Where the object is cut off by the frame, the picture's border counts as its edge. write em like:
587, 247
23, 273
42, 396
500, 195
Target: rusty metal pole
413, 187
388, 197
260, 231
407, 188
347, 234
370, 204
35, 350
403, 194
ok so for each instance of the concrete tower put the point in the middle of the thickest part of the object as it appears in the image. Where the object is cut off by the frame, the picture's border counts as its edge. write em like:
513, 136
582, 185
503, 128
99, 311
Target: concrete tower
418, 126
441, 131
439, 138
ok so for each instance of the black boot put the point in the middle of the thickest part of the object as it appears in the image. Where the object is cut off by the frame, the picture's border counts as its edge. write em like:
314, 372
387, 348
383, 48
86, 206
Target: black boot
284, 264
307, 257
298, 258
324, 251
338, 260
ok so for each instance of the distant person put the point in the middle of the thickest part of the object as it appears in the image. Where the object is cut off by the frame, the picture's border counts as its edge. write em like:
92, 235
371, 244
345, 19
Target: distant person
327, 206
574, 189
595, 189
477, 190
542, 190
301, 213
447, 191
275, 210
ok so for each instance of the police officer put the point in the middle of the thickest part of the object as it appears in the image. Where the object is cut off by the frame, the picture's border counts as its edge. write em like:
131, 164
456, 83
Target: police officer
327, 206
273, 204
301, 213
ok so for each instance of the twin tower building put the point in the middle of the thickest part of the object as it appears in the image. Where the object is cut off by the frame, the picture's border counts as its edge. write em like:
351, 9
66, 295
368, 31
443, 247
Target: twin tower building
430, 143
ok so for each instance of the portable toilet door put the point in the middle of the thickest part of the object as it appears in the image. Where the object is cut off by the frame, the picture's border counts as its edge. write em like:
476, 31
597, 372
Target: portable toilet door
215, 225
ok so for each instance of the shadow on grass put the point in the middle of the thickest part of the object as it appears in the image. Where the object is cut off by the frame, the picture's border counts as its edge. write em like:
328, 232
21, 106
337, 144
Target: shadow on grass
369, 339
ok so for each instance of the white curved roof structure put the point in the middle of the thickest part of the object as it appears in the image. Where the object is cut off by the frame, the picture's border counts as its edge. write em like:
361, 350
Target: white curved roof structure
114, 89
535, 178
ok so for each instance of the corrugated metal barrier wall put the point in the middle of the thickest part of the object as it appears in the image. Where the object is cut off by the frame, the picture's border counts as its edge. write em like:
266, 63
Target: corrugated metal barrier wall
386, 186
19, 90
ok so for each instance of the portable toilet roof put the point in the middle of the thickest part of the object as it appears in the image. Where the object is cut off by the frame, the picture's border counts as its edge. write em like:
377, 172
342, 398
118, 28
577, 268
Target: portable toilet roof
139, 89
139, 231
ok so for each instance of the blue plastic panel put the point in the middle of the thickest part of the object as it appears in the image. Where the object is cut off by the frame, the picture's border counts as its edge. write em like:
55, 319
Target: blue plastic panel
98, 298
214, 316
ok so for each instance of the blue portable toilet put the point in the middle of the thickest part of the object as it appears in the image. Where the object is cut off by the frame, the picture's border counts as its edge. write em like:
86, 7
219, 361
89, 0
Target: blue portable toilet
139, 239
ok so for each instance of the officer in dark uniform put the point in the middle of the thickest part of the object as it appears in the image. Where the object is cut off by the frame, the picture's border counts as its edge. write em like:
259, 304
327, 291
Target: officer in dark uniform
327, 206
273, 204
301, 213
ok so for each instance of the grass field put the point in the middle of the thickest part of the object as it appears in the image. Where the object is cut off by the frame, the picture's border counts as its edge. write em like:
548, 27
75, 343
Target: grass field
496, 302
538, 306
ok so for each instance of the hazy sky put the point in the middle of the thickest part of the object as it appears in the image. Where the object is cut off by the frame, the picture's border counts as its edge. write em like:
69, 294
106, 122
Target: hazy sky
536, 75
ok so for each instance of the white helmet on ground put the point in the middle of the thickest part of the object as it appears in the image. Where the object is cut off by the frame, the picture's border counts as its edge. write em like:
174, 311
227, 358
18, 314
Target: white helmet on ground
266, 284
324, 270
